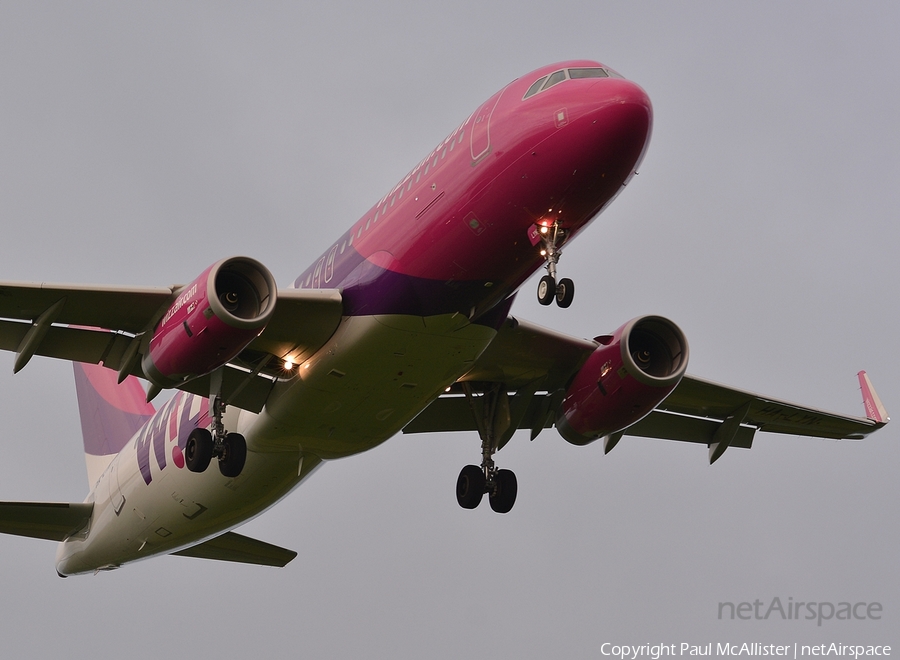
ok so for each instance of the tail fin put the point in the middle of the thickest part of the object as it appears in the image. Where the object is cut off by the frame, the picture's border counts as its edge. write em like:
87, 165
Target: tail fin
110, 414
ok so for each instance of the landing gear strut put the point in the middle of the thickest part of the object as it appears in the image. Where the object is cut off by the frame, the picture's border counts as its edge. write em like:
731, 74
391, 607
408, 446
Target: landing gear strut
548, 288
474, 481
202, 445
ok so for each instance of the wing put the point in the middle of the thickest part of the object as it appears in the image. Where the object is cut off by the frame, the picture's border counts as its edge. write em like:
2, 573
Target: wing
533, 366
98, 324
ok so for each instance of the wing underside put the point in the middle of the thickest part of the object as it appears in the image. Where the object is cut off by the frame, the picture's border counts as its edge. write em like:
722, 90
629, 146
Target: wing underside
105, 325
110, 326
533, 366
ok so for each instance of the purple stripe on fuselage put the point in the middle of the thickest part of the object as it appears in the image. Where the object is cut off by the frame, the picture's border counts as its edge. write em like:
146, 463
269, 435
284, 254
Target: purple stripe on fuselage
375, 285
377, 290
110, 413
369, 289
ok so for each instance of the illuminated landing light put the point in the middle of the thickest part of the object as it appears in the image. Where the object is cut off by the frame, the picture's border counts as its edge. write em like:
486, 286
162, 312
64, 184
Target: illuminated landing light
288, 364
543, 253
544, 229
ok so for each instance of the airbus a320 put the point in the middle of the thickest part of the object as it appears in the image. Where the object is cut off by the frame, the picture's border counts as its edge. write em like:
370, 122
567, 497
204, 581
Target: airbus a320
402, 325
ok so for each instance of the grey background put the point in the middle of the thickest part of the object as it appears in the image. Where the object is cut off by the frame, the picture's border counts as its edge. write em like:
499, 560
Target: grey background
141, 142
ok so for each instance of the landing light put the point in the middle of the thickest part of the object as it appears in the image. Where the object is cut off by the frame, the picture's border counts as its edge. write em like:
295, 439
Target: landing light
288, 364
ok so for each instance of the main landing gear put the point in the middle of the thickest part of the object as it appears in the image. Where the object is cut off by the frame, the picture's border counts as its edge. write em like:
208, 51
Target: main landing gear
474, 482
229, 448
548, 288
492, 420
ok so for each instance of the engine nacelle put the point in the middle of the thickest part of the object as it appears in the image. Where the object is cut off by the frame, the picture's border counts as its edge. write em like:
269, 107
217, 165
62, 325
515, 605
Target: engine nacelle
212, 320
627, 376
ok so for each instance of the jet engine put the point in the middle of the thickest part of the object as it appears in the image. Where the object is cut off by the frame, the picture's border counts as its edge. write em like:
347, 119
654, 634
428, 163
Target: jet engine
627, 376
212, 320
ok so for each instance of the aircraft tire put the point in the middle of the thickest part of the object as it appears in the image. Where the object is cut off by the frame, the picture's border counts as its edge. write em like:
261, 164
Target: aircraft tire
546, 291
504, 496
234, 455
198, 450
565, 292
470, 487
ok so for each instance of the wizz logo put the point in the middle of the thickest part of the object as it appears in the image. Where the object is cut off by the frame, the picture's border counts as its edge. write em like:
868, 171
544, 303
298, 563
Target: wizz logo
171, 423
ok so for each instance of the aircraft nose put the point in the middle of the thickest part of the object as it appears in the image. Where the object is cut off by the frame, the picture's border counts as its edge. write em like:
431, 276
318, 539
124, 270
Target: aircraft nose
615, 129
624, 107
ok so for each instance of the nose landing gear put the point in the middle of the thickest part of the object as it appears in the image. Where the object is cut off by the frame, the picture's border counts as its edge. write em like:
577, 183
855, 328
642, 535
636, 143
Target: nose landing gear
548, 288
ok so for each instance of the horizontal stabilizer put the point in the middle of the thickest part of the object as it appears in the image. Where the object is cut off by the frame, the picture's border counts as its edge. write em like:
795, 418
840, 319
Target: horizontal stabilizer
241, 549
54, 521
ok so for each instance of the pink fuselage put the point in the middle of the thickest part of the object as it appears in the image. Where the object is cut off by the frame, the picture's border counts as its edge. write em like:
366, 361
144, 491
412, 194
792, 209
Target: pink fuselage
452, 236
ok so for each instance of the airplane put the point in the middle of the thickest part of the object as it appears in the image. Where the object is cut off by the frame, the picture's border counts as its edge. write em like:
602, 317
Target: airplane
403, 324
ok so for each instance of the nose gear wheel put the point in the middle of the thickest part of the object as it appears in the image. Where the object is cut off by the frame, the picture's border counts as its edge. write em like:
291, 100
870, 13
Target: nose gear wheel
548, 288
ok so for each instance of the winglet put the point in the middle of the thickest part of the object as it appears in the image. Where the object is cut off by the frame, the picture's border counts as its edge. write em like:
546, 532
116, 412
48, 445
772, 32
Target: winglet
874, 409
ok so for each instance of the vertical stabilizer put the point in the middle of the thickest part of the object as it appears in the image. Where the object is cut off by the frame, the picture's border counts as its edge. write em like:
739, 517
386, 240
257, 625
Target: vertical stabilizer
110, 414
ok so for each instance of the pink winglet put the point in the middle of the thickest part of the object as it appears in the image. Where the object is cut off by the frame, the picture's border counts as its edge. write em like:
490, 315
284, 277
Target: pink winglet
874, 410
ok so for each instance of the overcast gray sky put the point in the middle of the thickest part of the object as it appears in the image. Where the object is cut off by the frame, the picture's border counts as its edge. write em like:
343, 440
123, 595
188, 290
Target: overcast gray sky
141, 142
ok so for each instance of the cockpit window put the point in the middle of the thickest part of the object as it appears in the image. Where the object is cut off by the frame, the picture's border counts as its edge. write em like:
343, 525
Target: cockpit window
568, 74
534, 88
588, 73
554, 79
